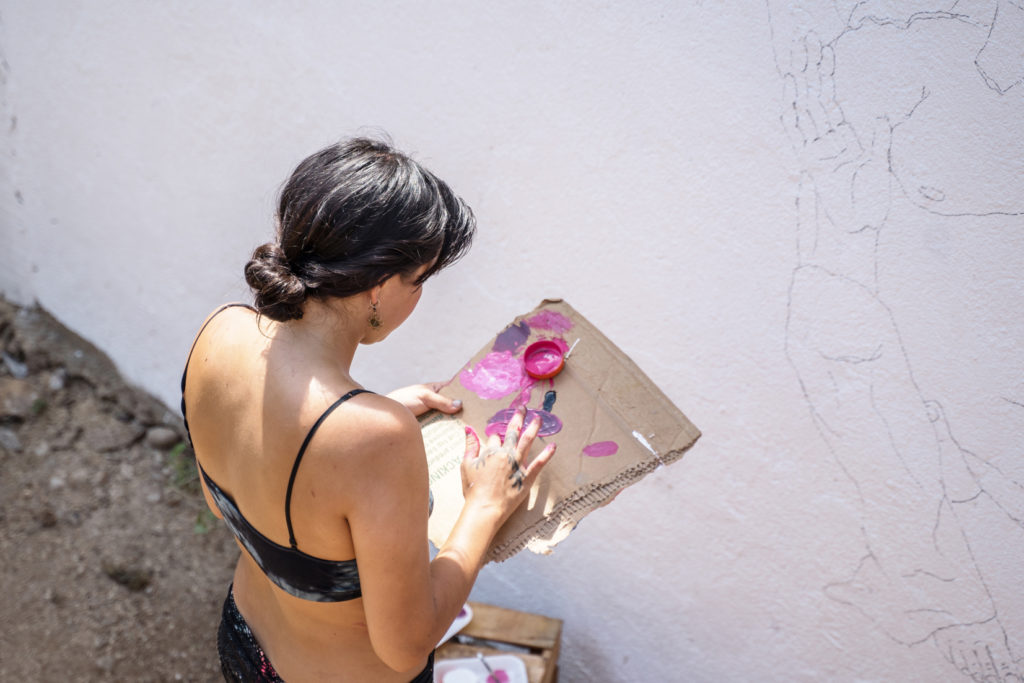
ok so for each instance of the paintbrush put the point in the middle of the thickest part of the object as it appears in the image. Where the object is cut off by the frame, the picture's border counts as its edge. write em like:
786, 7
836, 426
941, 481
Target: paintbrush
491, 676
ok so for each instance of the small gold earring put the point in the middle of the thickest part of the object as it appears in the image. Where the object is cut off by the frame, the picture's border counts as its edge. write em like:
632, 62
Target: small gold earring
374, 316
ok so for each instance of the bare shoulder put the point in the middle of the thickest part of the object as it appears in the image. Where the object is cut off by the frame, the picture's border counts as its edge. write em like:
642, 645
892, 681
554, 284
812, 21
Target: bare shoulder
367, 449
371, 426
230, 321
233, 315
226, 346
380, 479
229, 312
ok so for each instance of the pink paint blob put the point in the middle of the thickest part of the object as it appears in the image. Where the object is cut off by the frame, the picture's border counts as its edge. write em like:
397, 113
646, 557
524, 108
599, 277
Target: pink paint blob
498, 676
496, 375
550, 320
560, 343
601, 449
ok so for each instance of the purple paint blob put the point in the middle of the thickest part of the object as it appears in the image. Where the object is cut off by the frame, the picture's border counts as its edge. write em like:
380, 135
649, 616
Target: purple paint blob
512, 337
498, 424
601, 449
497, 375
550, 320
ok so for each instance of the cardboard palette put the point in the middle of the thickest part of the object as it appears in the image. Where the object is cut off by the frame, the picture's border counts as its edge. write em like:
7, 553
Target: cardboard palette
612, 425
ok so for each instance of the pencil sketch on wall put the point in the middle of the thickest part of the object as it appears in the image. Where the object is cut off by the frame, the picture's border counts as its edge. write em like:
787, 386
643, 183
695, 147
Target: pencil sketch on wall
860, 118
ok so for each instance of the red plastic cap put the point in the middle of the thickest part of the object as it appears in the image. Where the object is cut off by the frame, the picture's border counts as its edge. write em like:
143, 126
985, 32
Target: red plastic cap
543, 359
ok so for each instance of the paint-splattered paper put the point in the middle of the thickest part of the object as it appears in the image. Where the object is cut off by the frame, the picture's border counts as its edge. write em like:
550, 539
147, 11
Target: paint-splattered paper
611, 423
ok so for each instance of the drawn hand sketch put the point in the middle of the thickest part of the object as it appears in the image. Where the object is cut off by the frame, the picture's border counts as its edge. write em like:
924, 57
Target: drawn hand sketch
846, 101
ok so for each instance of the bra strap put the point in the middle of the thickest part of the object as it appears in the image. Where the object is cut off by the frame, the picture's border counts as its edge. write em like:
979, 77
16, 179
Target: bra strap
298, 459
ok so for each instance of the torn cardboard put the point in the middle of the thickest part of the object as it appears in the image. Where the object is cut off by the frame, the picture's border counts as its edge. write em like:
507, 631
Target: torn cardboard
612, 426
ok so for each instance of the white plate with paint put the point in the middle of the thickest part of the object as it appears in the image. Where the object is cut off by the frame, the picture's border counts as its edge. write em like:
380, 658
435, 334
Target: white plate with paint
507, 668
465, 616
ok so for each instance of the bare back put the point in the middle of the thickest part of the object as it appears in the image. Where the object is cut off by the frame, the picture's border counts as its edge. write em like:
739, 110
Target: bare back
251, 399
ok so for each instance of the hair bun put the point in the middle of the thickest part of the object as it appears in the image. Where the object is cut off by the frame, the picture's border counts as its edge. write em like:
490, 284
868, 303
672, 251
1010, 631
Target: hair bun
280, 293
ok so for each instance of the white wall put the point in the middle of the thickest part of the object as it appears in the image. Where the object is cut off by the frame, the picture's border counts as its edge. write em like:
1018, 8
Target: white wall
816, 253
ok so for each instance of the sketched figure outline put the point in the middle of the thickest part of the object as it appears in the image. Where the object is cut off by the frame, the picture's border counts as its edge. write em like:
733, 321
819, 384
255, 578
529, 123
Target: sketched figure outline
844, 345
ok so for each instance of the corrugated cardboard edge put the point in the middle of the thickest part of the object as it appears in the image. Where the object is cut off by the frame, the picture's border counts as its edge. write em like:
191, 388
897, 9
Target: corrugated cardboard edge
569, 512
573, 509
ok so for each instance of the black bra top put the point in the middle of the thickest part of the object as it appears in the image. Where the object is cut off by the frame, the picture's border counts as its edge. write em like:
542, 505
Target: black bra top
301, 575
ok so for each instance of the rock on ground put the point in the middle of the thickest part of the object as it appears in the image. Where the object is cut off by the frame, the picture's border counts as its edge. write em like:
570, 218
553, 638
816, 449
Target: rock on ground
112, 569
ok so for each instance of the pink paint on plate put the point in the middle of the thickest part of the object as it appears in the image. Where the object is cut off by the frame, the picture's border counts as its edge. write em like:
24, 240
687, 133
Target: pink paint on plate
601, 449
496, 375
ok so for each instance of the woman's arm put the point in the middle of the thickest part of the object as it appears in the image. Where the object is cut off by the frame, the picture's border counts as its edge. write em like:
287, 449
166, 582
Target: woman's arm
409, 600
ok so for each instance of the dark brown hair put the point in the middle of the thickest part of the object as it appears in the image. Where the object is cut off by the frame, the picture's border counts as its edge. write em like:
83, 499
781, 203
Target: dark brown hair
351, 216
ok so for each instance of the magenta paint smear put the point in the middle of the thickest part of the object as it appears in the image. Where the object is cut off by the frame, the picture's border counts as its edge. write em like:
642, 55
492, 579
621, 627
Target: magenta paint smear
525, 394
501, 372
498, 424
497, 375
499, 676
550, 320
512, 337
601, 449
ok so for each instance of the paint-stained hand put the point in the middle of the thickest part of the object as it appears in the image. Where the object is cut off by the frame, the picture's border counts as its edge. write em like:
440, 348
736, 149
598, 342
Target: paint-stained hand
419, 398
496, 473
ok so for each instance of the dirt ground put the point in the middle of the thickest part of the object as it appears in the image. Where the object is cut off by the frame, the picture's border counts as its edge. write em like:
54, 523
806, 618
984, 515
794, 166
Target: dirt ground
110, 567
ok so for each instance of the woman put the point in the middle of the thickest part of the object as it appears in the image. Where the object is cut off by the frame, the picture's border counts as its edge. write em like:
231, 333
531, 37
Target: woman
323, 483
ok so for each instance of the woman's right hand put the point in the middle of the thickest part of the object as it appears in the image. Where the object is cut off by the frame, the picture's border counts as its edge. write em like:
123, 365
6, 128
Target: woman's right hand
496, 474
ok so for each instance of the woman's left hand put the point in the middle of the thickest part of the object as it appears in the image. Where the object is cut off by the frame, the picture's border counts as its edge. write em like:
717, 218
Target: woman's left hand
419, 398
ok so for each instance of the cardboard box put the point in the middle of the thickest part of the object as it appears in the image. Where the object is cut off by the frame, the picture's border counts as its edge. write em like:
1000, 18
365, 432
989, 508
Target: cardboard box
611, 423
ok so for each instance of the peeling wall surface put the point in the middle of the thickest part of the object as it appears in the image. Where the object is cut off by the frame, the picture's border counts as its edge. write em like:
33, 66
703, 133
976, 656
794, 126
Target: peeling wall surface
804, 220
